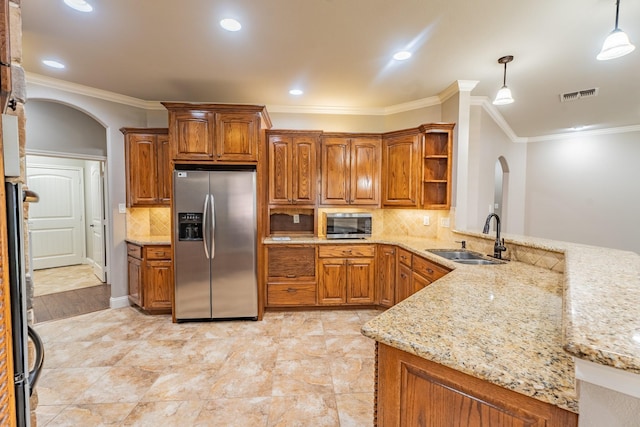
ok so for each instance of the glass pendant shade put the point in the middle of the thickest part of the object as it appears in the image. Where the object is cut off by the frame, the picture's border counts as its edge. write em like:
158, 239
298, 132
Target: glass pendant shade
616, 44
503, 97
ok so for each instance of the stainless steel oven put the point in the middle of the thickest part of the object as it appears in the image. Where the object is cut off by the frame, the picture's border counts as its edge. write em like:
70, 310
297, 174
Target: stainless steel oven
355, 225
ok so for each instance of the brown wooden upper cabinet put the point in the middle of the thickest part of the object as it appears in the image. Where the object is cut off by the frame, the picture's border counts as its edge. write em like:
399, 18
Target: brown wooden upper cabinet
416, 167
216, 132
437, 154
350, 169
147, 166
293, 167
401, 169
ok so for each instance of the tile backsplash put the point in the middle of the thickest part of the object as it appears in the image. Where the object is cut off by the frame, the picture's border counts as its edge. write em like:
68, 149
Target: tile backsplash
144, 222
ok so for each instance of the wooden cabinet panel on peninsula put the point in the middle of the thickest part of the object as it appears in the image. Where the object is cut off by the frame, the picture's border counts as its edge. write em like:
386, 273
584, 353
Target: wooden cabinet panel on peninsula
215, 132
412, 391
347, 274
350, 169
293, 167
147, 166
150, 276
291, 275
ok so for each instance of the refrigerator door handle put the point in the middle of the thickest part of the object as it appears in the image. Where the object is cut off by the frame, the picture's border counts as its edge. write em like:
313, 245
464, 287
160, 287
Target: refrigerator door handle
205, 230
213, 226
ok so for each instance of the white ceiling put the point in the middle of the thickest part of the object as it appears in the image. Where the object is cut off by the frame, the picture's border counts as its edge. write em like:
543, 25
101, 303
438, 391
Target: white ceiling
339, 52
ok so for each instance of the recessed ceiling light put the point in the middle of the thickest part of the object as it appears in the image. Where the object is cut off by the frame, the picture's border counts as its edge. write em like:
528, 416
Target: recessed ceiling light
80, 5
52, 63
402, 55
230, 24
296, 92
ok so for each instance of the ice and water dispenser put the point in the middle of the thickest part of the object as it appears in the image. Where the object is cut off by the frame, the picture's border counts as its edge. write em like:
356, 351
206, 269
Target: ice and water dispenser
190, 226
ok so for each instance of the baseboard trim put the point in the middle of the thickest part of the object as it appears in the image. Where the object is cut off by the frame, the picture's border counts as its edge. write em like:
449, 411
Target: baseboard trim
119, 302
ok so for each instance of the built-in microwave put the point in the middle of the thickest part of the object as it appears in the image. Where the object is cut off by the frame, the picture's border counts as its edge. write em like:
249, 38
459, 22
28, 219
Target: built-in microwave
348, 225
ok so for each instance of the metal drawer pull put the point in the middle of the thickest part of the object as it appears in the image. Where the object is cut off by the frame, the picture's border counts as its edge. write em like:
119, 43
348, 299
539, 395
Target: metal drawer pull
430, 271
291, 290
291, 276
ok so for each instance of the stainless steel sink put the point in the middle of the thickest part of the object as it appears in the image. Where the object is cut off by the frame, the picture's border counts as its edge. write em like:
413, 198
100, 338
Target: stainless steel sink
464, 256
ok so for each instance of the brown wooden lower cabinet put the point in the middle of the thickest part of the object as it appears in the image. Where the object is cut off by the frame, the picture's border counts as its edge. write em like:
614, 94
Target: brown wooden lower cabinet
150, 276
411, 391
386, 266
291, 275
347, 275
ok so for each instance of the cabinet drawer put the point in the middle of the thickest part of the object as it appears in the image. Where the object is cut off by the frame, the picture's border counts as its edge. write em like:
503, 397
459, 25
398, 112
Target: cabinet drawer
404, 257
157, 252
291, 294
291, 262
134, 251
428, 269
344, 251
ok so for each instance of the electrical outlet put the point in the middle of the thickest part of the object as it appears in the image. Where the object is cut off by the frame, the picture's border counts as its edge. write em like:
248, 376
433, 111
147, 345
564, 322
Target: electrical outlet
444, 222
122, 208
425, 220
296, 219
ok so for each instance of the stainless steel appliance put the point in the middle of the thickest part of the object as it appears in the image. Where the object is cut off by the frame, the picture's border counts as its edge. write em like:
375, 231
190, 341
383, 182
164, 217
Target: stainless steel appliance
214, 214
24, 379
355, 225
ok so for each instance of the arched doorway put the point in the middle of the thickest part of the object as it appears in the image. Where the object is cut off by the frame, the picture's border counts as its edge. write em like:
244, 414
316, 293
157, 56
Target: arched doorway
65, 164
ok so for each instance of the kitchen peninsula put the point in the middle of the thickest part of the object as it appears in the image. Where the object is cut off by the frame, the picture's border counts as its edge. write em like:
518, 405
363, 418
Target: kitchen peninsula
509, 328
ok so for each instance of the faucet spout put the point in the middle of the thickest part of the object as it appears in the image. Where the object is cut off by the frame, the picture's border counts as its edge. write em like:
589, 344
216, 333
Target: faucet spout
498, 246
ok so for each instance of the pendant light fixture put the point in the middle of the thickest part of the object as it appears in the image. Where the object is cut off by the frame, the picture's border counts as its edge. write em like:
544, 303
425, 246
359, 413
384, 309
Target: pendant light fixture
504, 94
617, 43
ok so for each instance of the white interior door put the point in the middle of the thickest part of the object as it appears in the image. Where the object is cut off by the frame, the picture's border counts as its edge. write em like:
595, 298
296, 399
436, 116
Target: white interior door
97, 220
56, 222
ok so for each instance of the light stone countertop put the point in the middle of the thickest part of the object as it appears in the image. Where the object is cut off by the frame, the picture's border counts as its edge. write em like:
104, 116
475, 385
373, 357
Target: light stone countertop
510, 324
149, 240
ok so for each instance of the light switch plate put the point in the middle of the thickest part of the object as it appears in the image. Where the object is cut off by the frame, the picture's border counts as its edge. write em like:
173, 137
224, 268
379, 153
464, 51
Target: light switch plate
425, 220
122, 208
444, 222
296, 219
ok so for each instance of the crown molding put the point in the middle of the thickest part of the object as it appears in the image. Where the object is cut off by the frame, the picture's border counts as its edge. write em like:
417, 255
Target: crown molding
451, 90
78, 89
486, 105
584, 133
357, 111
456, 87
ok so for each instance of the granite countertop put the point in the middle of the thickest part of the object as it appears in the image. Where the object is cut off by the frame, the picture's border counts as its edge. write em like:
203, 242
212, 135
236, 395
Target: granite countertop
149, 240
499, 323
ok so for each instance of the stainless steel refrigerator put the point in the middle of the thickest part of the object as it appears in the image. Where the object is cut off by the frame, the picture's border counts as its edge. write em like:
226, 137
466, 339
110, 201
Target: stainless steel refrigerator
215, 228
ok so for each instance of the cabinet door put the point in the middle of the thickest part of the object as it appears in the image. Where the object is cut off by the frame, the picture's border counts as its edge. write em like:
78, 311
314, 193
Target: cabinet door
134, 276
304, 170
365, 171
280, 170
333, 278
336, 178
237, 137
404, 287
418, 282
142, 170
401, 171
163, 150
361, 281
386, 275
192, 134
158, 285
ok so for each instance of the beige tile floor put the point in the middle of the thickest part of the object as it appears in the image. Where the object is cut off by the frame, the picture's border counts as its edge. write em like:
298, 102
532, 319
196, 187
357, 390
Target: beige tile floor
121, 367
61, 279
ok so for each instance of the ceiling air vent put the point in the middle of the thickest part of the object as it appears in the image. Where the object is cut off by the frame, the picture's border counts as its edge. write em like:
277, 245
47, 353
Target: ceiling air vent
574, 96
